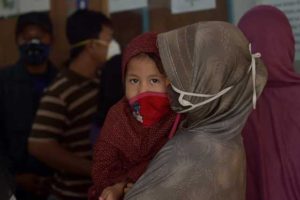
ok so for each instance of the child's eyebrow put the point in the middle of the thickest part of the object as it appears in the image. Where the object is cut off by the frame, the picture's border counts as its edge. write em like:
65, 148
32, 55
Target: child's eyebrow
132, 75
156, 75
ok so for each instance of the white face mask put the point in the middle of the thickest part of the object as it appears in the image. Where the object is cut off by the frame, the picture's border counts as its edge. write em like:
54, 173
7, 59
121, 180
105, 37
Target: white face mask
212, 97
192, 106
113, 49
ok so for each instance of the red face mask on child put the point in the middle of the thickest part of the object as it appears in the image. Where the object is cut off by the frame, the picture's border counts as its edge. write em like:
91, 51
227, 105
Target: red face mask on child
149, 107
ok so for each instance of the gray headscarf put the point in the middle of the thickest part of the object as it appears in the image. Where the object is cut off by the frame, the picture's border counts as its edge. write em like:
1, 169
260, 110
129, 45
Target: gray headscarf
205, 160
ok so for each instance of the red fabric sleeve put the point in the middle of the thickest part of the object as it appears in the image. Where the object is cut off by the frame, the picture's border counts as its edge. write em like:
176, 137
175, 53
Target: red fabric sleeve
136, 172
107, 168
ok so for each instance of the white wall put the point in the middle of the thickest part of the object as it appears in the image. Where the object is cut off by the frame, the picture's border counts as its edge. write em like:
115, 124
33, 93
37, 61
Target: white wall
239, 7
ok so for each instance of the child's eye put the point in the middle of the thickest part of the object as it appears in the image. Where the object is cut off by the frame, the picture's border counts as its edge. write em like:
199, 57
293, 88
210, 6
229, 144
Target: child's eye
154, 81
133, 81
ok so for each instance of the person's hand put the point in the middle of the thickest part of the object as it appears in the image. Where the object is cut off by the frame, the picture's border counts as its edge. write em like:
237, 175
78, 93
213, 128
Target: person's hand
45, 185
33, 183
114, 192
128, 187
29, 182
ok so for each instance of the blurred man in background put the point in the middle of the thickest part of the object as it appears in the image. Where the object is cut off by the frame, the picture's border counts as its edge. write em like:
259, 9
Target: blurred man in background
61, 132
21, 87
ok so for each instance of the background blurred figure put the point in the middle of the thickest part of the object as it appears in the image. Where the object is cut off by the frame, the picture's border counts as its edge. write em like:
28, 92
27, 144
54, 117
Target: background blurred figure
111, 91
6, 182
21, 87
271, 135
60, 134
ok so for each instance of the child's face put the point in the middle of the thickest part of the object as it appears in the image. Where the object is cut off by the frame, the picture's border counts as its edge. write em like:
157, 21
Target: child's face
143, 76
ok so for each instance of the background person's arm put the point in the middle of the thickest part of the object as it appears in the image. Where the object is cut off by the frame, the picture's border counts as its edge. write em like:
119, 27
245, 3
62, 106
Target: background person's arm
49, 127
54, 155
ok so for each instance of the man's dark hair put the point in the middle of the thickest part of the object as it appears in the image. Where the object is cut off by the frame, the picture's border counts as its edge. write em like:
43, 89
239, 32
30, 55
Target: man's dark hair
39, 19
83, 25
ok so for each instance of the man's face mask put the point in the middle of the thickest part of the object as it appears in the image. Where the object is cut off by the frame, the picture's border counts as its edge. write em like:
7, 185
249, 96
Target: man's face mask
113, 49
34, 52
149, 107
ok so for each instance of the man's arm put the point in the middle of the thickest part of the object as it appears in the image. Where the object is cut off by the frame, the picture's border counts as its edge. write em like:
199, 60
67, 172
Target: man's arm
57, 157
48, 128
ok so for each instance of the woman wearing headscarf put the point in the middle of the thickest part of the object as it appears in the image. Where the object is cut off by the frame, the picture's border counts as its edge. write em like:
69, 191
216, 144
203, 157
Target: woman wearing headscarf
215, 80
272, 132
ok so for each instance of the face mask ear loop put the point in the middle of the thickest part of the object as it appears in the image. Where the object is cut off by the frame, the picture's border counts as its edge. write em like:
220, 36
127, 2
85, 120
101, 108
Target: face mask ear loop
214, 97
84, 42
253, 69
187, 103
190, 93
182, 101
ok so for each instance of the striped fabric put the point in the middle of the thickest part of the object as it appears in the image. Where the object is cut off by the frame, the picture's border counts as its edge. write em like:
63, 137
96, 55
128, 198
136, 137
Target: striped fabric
65, 114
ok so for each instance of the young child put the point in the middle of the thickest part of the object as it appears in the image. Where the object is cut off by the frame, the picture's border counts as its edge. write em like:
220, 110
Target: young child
137, 126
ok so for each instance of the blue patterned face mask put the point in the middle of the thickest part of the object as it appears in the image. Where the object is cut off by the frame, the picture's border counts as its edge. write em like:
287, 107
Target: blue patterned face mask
34, 52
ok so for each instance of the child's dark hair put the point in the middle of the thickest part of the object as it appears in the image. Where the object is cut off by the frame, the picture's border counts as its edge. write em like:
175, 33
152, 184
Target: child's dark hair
157, 61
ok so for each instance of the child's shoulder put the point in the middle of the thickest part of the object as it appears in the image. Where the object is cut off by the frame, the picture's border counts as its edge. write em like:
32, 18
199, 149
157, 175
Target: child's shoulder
119, 109
115, 120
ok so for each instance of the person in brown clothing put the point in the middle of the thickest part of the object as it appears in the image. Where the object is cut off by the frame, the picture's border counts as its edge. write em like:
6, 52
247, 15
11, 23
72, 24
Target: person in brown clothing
60, 133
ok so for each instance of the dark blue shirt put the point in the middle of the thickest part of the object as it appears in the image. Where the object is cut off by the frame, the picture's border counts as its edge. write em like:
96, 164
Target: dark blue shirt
20, 93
